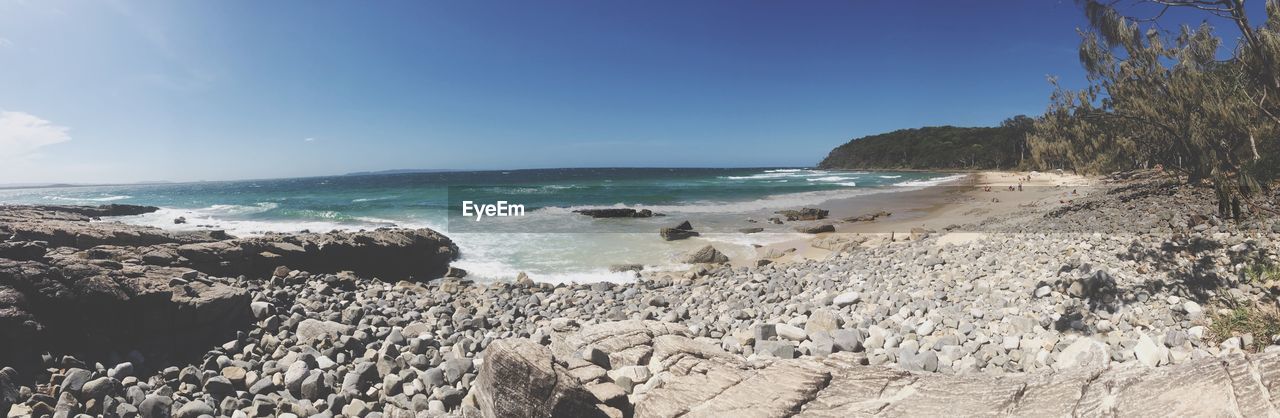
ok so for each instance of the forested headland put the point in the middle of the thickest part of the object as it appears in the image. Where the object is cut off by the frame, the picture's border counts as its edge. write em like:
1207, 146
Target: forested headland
1172, 98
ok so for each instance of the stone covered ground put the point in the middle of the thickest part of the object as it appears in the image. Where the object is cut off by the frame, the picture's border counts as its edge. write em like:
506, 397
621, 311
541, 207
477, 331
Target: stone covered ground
1125, 280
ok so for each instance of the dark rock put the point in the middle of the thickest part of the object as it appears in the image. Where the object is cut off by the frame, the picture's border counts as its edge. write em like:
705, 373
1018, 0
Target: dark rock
155, 406
455, 272
816, 229
618, 268
75, 380
23, 250
8, 389
616, 213
868, 217
673, 234
804, 214
195, 409
218, 386
751, 230
98, 388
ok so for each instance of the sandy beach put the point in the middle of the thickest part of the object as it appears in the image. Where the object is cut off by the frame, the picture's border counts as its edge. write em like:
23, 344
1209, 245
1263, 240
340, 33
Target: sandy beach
944, 209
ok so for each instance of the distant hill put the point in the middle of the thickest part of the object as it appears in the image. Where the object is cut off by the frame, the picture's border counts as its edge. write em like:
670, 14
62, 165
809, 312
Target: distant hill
936, 147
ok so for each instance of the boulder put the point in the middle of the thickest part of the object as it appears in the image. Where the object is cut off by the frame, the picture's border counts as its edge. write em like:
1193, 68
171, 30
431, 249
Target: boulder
521, 378
867, 217
673, 234
390, 254
816, 229
707, 254
619, 268
804, 214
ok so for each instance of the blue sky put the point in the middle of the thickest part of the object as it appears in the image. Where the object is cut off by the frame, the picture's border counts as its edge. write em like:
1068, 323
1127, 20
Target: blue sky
118, 91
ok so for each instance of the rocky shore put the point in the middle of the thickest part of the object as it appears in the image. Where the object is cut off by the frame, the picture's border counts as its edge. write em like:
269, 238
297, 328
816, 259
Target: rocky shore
1091, 308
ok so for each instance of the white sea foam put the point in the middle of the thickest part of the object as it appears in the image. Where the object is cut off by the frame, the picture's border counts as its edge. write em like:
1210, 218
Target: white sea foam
890, 177
930, 182
221, 217
833, 178
776, 174
778, 201
372, 199
89, 199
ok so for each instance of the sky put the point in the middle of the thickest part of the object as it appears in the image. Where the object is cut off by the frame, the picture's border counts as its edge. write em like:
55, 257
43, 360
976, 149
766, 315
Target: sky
122, 91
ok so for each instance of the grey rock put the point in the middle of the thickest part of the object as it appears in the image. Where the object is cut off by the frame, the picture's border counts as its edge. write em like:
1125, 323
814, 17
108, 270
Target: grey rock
706, 255
195, 409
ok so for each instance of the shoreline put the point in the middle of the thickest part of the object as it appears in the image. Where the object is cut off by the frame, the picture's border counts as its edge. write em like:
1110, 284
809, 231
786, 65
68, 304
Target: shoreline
287, 340
934, 208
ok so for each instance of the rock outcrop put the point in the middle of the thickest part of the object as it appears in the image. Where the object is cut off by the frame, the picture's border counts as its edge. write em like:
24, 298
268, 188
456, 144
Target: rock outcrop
617, 213
385, 253
868, 217
682, 231
804, 214
74, 285
816, 229
663, 372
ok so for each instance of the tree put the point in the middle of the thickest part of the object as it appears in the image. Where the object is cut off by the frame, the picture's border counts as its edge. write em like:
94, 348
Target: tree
1156, 97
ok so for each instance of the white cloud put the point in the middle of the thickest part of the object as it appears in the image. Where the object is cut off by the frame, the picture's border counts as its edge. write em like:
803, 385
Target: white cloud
309, 140
5, 43
21, 134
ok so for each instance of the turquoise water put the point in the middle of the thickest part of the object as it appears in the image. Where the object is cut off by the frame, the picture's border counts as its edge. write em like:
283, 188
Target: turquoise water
715, 200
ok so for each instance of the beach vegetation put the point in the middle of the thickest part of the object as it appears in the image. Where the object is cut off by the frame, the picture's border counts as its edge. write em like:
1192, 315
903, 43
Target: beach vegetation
1260, 323
1172, 99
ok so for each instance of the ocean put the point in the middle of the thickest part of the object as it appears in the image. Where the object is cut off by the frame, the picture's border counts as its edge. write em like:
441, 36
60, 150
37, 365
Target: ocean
550, 242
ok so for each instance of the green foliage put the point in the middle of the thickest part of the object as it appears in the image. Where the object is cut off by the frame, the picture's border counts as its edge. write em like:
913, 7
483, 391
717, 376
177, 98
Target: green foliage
1261, 274
937, 147
1161, 98
1260, 322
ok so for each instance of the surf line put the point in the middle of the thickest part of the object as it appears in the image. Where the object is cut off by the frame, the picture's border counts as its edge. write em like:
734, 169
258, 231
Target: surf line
500, 209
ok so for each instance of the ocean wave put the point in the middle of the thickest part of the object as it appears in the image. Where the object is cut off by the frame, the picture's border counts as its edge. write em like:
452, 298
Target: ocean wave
930, 182
775, 174
890, 177
778, 201
847, 184
88, 199
259, 207
372, 199
833, 178
222, 217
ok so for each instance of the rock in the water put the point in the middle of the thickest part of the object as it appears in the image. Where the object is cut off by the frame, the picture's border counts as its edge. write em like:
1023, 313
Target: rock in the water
673, 234
619, 268
816, 229
616, 213
804, 214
